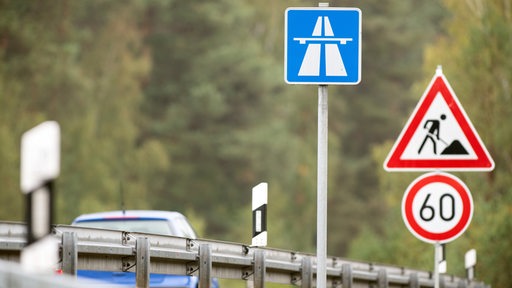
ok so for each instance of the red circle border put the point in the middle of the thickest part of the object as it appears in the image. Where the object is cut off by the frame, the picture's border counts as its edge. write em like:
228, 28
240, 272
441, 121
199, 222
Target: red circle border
467, 207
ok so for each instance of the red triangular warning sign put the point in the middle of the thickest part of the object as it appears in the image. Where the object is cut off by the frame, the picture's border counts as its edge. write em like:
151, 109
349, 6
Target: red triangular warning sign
439, 135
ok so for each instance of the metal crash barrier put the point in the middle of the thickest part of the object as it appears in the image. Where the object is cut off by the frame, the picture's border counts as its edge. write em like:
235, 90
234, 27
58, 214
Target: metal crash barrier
108, 250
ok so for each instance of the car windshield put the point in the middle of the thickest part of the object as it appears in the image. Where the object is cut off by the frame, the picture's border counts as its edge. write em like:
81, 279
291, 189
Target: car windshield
153, 226
183, 228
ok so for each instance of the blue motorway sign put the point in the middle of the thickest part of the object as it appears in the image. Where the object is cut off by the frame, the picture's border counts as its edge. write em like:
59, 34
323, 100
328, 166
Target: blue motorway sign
323, 46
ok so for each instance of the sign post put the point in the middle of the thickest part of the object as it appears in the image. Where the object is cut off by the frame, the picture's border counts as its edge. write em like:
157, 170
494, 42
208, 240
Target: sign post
321, 202
437, 260
322, 46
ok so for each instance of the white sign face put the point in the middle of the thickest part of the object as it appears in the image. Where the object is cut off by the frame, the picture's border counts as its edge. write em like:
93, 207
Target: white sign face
470, 259
40, 155
439, 135
437, 207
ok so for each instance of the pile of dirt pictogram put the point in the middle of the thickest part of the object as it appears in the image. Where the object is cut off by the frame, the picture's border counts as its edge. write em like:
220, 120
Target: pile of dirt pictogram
455, 148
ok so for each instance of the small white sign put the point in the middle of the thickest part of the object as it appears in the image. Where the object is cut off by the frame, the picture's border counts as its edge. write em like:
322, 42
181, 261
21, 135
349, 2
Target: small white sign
443, 266
470, 258
40, 155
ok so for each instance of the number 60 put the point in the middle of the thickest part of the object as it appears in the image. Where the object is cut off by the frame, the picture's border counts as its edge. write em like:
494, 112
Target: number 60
446, 210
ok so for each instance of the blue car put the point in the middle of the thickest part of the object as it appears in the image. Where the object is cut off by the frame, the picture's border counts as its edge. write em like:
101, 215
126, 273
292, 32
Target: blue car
143, 221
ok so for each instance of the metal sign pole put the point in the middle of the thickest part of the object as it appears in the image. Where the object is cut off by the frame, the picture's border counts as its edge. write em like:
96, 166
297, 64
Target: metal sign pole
437, 260
321, 227
321, 210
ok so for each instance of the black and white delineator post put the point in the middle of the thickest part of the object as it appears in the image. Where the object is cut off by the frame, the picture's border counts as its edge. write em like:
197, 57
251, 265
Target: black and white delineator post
470, 263
40, 166
441, 250
259, 215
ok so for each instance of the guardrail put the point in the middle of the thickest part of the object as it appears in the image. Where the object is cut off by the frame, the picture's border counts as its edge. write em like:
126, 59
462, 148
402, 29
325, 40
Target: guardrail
108, 250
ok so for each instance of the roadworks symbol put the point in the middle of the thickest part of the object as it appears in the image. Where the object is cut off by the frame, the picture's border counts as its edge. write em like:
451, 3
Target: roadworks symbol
322, 34
432, 127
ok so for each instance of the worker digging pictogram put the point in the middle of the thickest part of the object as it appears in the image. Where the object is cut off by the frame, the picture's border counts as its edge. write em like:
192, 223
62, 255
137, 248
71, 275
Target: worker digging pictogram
432, 127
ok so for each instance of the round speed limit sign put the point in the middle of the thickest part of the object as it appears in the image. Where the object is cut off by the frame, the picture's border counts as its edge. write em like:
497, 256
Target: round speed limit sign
437, 207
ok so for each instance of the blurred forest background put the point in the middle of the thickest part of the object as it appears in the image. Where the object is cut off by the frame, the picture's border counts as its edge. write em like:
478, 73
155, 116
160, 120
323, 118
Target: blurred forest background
181, 105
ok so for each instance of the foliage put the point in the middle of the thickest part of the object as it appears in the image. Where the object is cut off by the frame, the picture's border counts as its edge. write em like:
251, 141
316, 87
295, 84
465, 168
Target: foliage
216, 115
61, 61
367, 114
475, 54
180, 105
480, 47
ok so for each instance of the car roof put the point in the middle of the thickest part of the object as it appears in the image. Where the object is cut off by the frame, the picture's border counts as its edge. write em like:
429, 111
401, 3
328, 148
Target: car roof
154, 214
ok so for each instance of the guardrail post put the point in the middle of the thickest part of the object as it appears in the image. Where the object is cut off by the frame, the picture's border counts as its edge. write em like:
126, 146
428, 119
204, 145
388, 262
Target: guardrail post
306, 272
142, 263
259, 268
69, 253
346, 275
382, 279
414, 281
205, 266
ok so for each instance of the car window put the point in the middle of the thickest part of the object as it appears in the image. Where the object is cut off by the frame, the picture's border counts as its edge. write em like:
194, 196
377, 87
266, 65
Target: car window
130, 225
183, 228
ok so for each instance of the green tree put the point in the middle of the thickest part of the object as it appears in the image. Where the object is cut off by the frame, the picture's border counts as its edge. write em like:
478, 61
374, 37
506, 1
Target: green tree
474, 52
22, 72
216, 97
82, 64
480, 47
362, 116
217, 101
